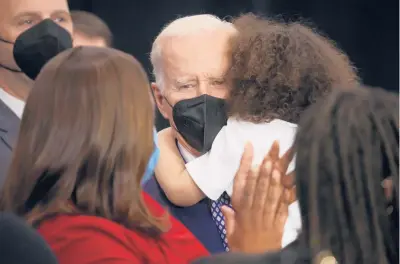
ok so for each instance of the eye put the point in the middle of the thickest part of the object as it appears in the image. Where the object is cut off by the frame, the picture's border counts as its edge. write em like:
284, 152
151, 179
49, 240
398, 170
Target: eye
186, 86
218, 82
59, 19
27, 22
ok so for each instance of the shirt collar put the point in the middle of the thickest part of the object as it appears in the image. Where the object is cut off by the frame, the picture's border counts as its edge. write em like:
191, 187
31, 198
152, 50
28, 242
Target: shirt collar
16, 105
187, 156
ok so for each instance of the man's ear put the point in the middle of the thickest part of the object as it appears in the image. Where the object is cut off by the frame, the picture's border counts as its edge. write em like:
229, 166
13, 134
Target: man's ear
160, 100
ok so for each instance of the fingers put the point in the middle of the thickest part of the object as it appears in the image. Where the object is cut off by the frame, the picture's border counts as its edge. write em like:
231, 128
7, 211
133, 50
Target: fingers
262, 186
286, 159
281, 215
263, 181
288, 180
270, 186
229, 215
273, 153
240, 178
246, 160
290, 195
247, 199
274, 197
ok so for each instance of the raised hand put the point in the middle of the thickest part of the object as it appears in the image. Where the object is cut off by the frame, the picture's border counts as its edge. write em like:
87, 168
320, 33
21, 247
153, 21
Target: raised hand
260, 200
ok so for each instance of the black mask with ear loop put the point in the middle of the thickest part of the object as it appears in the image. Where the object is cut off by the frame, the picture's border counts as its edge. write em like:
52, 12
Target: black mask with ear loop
198, 120
7, 67
36, 46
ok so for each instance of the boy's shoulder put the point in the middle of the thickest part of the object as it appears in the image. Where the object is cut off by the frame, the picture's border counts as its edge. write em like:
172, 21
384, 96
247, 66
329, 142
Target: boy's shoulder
247, 131
237, 133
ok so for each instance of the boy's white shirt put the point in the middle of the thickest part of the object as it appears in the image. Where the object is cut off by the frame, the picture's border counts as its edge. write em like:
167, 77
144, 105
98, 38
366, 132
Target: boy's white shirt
214, 171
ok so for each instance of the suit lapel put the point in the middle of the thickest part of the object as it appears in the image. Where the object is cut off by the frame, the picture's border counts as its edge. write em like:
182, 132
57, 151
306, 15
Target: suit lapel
9, 125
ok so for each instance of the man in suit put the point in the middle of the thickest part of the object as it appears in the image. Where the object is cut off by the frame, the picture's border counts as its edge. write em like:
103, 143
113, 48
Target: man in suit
17, 16
190, 59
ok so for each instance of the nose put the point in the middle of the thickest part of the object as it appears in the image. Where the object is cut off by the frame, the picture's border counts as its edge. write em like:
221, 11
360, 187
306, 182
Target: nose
203, 88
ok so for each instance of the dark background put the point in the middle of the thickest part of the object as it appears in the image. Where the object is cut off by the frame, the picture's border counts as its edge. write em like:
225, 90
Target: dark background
367, 30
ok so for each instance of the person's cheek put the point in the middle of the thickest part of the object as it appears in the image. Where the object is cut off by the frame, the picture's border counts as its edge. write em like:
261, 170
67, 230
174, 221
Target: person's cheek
220, 92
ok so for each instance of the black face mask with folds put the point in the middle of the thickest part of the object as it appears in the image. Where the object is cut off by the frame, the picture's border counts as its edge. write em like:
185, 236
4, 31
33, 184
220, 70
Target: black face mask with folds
37, 45
198, 120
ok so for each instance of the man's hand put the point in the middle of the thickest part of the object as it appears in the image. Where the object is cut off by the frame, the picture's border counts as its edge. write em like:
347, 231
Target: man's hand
260, 200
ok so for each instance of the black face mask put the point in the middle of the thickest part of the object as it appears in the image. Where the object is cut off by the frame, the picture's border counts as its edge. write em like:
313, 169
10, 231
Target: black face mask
37, 45
198, 120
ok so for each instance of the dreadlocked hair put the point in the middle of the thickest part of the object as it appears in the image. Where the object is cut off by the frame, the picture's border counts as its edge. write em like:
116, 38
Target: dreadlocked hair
280, 68
347, 145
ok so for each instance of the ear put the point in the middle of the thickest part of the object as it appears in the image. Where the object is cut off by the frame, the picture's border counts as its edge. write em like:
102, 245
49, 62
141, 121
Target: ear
160, 100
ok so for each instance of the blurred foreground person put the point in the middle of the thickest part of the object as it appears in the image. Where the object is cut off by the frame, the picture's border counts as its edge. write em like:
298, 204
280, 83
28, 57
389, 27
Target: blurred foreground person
21, 244
85, 142
347, 180
31, 33
90, 30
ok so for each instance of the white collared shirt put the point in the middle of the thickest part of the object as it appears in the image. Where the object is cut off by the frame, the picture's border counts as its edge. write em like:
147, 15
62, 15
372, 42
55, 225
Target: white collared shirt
16, 105
186, 155
214, 172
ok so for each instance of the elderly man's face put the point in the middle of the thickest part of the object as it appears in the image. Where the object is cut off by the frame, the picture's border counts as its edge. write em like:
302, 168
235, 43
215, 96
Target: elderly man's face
192, 66
16, 16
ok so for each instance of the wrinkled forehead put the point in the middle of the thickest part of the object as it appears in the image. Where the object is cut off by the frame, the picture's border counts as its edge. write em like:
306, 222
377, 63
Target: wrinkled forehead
206, 53
43, 8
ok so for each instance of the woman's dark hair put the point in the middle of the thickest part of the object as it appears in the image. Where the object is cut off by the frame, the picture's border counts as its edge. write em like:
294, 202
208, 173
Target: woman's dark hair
279, 69
347, 152
85, 140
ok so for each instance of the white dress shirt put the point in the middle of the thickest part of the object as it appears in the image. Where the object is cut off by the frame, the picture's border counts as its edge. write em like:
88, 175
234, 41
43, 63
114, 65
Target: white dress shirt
16, 105
214, 172
186, 155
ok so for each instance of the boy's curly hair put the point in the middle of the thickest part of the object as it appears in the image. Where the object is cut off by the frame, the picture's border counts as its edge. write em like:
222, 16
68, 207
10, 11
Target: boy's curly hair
279, 69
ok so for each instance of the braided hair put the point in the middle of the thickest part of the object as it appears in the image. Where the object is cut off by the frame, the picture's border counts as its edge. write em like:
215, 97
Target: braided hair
347, 146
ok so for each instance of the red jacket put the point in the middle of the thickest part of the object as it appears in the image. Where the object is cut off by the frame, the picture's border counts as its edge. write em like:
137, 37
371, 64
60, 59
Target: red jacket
89, 239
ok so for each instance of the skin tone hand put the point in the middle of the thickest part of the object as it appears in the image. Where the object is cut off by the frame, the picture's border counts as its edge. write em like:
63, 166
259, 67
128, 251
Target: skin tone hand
260, 200
171, 172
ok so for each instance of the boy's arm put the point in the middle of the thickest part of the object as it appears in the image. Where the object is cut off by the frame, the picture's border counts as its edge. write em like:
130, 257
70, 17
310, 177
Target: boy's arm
171, 173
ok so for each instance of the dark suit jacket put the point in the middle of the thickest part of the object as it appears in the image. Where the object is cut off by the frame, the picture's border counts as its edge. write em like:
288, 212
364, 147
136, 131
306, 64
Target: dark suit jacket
196, 218
292, 254
9, 126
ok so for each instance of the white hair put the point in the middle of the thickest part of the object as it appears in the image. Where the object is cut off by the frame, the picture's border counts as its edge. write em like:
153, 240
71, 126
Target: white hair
185, 26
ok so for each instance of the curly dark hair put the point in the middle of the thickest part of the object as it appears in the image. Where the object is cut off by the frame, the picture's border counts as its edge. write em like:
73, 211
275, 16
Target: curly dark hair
279, 69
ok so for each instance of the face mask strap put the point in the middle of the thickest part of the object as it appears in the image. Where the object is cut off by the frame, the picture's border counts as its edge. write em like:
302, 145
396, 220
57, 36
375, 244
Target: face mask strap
4, 66
10, 69
165, 98
173, 127
6, 41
